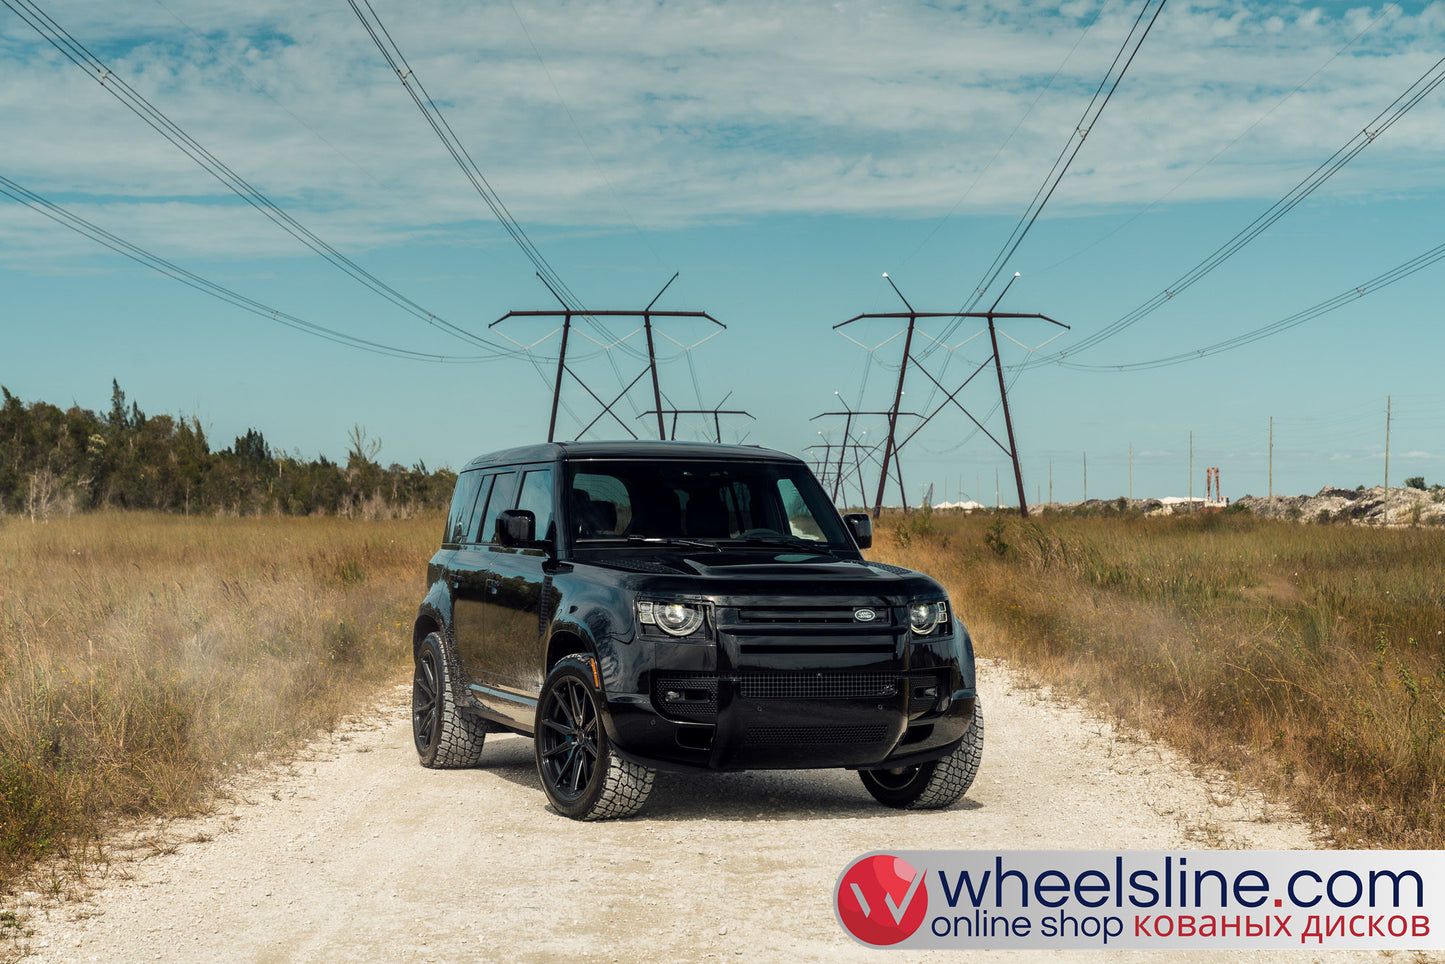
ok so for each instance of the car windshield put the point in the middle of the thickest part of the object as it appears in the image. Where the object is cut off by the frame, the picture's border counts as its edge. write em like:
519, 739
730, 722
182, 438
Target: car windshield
640, 502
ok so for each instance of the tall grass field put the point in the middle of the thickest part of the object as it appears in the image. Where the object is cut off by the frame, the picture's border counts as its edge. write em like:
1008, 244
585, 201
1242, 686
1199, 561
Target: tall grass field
144, 655
1308, 658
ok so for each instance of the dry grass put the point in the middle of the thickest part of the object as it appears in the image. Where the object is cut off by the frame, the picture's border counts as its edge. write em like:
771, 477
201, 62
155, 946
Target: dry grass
1307, 658
144, 655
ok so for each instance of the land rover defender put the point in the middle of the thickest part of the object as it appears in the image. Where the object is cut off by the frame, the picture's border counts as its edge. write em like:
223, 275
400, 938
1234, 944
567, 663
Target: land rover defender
644, 606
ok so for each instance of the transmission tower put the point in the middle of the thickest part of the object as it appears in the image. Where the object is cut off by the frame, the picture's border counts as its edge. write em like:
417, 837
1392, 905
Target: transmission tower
893, 445
567, 314
849, 444
716, 414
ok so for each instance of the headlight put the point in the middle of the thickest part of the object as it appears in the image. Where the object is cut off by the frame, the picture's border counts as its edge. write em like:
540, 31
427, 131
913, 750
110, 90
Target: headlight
924, 618
675, 619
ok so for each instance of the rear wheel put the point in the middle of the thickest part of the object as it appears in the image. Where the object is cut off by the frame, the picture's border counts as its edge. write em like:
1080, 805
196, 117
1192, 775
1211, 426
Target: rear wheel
583, 777
936, 784
445, 737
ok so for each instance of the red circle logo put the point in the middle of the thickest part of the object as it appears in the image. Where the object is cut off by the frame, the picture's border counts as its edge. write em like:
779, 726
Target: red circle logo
882, 899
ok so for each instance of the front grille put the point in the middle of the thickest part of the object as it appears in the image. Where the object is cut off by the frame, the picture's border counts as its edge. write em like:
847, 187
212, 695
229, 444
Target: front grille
772, 618
791, 686
804, 735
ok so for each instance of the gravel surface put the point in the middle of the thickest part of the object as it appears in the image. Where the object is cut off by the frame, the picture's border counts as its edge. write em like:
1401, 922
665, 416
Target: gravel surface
353, 852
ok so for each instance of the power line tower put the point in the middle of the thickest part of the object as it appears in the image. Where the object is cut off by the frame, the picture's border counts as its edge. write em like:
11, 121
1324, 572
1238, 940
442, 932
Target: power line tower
850, 444
893, 445
716, 414
567, 314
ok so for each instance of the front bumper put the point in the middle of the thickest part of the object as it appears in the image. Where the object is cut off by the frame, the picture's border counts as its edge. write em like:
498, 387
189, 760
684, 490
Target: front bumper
798, 696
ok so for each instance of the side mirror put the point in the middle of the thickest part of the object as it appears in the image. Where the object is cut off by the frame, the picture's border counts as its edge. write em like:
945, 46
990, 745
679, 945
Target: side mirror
860, 524
517, 527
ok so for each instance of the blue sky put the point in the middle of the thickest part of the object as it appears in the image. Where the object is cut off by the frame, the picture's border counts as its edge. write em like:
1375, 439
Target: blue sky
781, 157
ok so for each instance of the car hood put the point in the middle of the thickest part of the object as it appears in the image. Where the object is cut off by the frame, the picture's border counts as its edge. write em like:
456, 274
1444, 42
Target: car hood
769, 573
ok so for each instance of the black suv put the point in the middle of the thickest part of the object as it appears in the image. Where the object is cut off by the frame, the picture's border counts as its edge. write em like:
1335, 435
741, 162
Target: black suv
635, 606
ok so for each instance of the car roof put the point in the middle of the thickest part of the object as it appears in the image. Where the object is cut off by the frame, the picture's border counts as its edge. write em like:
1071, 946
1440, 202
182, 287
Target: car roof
629, 449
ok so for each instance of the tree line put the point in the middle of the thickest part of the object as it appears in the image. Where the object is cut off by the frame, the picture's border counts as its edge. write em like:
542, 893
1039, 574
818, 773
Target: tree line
55, 461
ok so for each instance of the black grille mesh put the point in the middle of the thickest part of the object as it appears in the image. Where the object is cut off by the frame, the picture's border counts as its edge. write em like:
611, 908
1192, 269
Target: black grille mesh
803, 735
784, 686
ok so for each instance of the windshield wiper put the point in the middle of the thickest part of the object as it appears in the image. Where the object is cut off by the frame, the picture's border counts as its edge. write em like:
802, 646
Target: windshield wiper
657, 541
784, 542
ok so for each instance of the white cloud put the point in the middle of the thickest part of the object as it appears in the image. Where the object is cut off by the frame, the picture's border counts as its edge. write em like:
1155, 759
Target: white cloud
693, 113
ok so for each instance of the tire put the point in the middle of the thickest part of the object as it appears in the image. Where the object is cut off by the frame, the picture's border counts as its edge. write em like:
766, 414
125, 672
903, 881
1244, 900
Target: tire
446, 738
936, 784
583, 777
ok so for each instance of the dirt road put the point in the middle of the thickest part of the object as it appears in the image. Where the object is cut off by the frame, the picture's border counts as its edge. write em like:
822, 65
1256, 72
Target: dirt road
356, 853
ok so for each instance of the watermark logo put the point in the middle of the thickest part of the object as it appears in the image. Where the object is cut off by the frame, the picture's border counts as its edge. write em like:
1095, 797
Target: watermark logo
1144, 899
882, 899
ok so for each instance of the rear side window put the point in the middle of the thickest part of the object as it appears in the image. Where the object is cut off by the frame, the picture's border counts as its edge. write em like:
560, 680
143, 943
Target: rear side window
464, 499
504, 492
473, 533
536, 498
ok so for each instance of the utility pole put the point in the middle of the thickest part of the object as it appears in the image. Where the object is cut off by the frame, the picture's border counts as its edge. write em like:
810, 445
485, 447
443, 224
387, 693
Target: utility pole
892, 447
1271, 460
1387, 460
1191, 470
1086, 476
1131, 471
1051, 480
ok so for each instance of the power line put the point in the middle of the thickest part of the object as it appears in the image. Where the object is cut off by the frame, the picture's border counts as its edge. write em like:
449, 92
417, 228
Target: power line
1090, 117
77, 53
1048, 85
577, 128
395, 59
1383, 280
1227, 147
1126, 53
438, 122
170, 269
1382, 122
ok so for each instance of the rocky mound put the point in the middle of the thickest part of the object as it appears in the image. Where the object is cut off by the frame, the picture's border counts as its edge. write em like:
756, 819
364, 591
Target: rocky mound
1367, 506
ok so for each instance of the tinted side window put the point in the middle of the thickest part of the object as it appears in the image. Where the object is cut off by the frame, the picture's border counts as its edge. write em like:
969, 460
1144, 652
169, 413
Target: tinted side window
504, 492
464, 497
474, 532
536, 498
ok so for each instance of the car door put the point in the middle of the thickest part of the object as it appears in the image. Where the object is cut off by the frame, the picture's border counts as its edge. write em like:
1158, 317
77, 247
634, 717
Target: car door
471, 573
517, 585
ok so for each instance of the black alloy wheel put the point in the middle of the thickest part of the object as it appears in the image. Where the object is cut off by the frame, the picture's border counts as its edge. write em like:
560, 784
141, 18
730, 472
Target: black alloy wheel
568, 739
446, 737
425, 703
583, 777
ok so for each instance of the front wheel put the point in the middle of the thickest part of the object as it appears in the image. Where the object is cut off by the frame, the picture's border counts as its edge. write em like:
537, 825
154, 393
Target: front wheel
936, 784
583, 777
